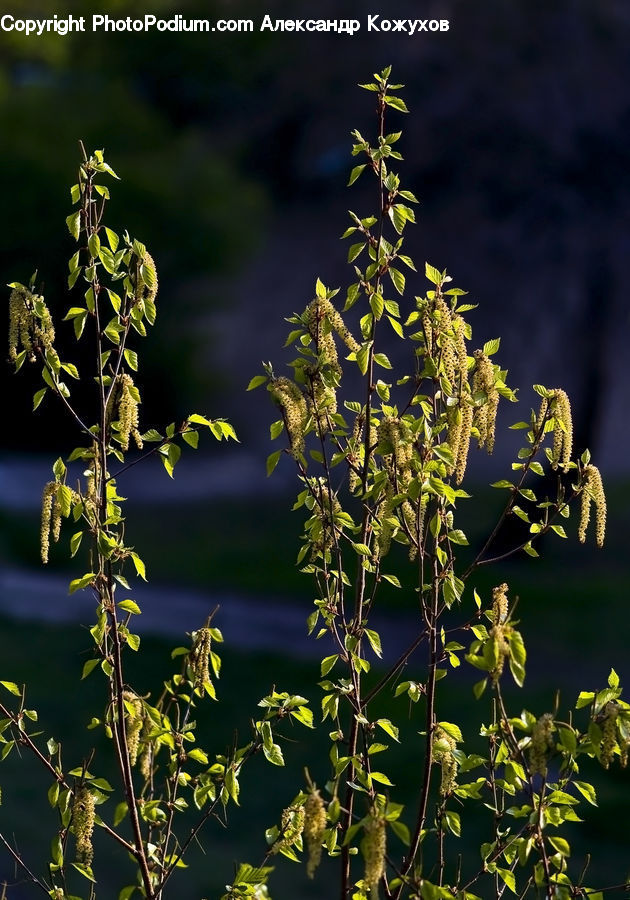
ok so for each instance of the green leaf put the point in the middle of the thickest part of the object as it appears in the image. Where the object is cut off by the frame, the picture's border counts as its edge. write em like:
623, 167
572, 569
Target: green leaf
355, 173
560, 845
273, 754
86, 871
112, 237
398, 280
272, 461
94, 245
381, 360
139, 566
452, 730
395, 103
508, 877
585, 698
362, 549
562, 798
59, 468
492, 346
355, 250
170, 456
304, 715
396, 326
53, 793
73, 312
131, 358
453, 822
133, 640
381, 778
587, 791
113, 330
256, 381
362, 357
79, 583
88, 667
377, 305
222, 430
276, 429
568, 739
56, 851
102, 784
457, 536
79, 324
73, 222
327, 663
75, 542
393, 579
119, 814
401, 831
67, 367
518, 656
191, 438
375, 641
432, 274
38, 396
152, 435
130, 607
388, 728
11, 687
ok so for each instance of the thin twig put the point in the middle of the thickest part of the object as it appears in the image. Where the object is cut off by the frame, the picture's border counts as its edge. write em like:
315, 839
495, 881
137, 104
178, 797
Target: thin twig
18, 859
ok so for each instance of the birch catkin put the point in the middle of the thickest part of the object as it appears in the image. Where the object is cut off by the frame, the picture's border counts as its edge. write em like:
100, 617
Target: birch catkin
374, 848
592, 493
485, 415
314, 827
293, 404
83, 823
562, 430
128, 401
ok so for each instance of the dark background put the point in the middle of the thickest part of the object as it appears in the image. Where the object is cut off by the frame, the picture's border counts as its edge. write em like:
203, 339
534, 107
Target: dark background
234, 153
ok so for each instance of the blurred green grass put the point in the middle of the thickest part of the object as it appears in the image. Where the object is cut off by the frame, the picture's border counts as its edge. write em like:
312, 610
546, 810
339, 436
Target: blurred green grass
574, 618
202, 545
55, 691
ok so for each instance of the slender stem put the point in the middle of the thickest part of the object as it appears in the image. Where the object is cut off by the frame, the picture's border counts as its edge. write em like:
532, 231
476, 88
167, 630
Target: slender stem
538, 827
544, 530
441, 860
20, 862
194, 831
366, 522
106, 580
391, 673
151, 452
348, 805
27, 741
77, 418
538, 439
429, 726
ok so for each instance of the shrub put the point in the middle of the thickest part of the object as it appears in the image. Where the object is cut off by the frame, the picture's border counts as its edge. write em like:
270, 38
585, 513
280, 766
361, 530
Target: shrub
381, 478
387, 468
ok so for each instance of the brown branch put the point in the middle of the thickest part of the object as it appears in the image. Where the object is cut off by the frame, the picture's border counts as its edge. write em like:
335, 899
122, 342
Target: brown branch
18, 859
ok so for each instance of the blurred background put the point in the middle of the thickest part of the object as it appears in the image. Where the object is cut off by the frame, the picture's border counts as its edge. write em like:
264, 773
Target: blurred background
234, 153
